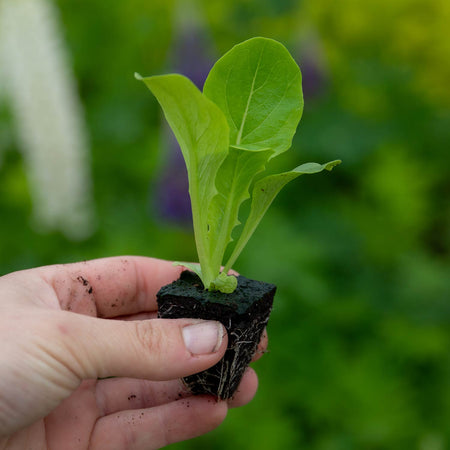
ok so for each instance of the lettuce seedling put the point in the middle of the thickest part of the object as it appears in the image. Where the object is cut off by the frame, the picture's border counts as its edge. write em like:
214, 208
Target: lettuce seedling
247, 114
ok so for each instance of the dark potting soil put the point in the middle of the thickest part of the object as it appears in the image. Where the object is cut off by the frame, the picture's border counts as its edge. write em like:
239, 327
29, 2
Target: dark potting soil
244, 313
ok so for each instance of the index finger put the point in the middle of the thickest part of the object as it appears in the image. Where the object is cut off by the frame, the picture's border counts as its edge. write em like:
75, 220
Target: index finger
110, 287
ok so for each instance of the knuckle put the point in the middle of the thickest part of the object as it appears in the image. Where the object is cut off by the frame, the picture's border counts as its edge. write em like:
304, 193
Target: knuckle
149, 336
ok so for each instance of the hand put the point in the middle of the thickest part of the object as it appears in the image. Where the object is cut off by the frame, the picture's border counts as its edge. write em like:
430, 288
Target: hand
65, 329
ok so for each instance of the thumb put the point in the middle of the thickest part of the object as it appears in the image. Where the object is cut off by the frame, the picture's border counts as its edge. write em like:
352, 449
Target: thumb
155, 349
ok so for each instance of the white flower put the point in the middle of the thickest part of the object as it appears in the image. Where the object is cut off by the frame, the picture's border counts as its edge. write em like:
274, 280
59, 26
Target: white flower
48, 117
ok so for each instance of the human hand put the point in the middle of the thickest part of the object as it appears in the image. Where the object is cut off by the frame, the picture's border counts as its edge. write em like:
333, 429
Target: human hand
65, 329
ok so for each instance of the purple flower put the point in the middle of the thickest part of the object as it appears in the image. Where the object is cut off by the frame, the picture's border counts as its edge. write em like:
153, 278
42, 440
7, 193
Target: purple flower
313, 67
171, 196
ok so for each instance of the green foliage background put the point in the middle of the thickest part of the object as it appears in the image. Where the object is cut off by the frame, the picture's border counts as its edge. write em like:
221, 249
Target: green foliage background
360, 332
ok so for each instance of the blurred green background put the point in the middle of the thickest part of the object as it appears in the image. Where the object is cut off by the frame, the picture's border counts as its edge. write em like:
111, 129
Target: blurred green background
360, 333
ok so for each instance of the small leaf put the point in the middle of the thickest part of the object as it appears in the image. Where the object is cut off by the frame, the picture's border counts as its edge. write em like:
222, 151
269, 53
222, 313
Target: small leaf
224, 283
264, 192
258, 86
194, 267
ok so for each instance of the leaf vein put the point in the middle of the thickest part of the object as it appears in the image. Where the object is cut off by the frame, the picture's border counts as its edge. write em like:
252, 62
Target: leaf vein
271, 112
244, 117
227, 98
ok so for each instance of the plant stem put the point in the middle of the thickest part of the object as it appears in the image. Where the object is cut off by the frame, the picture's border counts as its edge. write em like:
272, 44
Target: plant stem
200, 231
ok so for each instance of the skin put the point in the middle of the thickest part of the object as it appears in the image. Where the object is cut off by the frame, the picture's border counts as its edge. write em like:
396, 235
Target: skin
65, 329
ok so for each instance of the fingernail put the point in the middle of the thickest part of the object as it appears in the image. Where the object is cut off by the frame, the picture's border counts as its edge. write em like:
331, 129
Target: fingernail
203, 338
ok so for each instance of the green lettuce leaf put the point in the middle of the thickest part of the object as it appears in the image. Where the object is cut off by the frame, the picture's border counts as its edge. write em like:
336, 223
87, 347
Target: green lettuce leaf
248, 113
193, 267
258, 86
224, 283
233, 183
264, 192
202, 132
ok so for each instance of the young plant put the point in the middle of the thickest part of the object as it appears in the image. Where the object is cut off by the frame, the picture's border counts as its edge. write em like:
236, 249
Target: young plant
248, 113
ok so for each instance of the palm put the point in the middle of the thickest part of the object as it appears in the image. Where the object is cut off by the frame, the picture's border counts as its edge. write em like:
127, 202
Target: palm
121, 413
65, 427
98, 412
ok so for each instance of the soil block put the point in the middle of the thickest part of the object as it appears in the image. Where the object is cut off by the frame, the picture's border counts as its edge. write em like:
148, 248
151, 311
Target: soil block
244, 313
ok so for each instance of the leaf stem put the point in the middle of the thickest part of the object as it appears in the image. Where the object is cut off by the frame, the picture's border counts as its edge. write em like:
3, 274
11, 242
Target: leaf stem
224, 237
200, 231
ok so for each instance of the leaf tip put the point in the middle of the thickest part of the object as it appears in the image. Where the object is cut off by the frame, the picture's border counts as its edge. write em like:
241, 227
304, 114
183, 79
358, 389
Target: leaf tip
333, 164
138, 76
